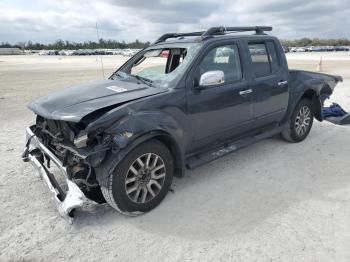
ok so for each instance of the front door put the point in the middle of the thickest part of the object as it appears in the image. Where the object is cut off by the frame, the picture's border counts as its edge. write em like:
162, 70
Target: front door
219, 111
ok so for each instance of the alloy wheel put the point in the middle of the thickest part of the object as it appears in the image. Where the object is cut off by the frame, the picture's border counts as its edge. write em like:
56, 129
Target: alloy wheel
302, 121
145, 178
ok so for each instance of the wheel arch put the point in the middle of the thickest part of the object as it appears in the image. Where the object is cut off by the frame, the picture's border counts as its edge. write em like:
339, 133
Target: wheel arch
316, 102
169, 141
113, 159
175, 150
315, 89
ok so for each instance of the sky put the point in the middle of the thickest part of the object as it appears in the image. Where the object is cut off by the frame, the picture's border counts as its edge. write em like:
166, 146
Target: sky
46, 21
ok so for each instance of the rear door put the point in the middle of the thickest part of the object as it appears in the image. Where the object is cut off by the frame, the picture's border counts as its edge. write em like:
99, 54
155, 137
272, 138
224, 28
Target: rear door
269, 75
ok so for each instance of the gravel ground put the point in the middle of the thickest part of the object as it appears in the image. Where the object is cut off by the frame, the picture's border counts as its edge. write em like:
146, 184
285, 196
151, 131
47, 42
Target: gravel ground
272, 201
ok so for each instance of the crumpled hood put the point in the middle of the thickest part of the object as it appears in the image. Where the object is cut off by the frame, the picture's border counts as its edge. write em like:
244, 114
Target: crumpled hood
73, 103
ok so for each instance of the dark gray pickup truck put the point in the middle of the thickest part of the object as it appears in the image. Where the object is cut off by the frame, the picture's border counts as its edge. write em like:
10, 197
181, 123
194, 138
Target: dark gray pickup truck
188, 99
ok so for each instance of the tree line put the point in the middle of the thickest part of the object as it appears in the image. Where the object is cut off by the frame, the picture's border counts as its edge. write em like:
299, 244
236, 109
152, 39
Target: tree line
67, 45
316, 42
113, 44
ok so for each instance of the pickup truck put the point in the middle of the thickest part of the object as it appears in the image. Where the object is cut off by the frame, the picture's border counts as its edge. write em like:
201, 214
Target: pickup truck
186, 100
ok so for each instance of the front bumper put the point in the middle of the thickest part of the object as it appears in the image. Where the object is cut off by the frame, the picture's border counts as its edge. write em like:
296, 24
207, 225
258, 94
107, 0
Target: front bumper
66, 201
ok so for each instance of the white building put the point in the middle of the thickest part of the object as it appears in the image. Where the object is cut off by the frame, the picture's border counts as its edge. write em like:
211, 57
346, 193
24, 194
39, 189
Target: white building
11, 51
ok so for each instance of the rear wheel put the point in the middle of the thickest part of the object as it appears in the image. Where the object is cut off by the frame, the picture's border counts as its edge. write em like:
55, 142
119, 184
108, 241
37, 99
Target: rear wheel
141, 180
300, 122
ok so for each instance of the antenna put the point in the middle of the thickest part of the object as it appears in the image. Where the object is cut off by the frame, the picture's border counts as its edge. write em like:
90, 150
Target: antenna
98, 39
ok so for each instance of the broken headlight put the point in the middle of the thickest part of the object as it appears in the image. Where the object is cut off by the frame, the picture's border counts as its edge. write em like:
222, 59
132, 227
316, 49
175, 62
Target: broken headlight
92, 140
81, 140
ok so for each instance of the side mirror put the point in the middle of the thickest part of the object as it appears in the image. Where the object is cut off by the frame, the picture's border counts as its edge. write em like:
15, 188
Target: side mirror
211, 78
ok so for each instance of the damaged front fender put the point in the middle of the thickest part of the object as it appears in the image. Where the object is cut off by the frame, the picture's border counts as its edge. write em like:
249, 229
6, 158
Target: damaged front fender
115, 157
134, 129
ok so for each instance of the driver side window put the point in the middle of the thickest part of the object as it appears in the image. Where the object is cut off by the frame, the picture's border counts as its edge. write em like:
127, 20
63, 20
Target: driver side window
225, 59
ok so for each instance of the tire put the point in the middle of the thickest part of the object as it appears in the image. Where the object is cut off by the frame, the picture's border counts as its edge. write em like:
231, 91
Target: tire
300, 122
126, 187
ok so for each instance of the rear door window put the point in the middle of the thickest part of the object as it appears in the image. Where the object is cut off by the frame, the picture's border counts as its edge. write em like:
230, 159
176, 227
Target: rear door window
272, 56
264, 58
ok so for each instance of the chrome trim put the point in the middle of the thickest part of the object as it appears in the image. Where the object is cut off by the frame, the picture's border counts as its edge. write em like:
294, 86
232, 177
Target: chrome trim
74, 197
211, 78
35, 143
282, 83
245, 92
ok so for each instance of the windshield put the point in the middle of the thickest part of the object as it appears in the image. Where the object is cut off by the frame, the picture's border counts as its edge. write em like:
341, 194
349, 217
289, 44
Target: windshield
162, 65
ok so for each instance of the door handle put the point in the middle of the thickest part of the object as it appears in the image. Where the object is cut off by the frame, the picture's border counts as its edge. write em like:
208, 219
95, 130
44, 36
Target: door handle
282, 83
245, 92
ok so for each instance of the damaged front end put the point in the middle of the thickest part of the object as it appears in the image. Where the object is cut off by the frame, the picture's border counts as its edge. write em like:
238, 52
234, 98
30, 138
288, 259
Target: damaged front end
75, 154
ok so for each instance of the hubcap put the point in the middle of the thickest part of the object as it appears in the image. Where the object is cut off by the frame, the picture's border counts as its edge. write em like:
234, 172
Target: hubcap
145, 178
302, 121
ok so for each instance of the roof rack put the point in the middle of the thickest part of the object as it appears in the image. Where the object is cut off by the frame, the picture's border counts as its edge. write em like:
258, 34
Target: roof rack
259, 30
173, 35
221, 30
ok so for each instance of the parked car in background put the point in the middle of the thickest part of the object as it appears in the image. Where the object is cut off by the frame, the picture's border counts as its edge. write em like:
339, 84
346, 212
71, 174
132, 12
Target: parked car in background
340, 48
301, 49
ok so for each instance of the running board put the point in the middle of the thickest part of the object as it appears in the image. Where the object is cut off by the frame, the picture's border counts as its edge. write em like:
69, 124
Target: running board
201, 159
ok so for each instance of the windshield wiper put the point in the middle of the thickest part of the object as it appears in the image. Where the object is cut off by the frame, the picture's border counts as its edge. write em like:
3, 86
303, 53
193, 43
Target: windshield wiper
143, 79
120, 74
140, 78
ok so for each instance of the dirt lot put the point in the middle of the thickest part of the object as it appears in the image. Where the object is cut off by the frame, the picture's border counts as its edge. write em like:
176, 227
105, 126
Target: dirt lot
272, 201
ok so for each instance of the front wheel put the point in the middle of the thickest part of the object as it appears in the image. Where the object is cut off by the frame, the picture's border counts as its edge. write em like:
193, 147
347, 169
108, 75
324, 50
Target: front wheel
141, 180
300, 122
